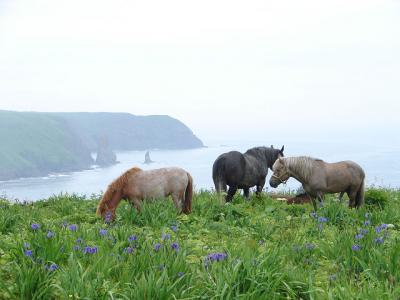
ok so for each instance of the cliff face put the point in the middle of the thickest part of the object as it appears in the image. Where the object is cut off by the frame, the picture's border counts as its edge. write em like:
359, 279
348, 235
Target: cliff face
129, 132
36, 144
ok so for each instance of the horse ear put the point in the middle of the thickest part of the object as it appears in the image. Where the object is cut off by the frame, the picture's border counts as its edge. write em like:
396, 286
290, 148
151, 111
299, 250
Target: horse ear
283, 148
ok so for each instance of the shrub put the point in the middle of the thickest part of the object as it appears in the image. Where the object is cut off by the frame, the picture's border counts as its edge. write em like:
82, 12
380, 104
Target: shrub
376, 197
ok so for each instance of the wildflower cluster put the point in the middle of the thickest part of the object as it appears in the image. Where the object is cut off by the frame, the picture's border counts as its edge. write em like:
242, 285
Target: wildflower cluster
380, 229
212, 257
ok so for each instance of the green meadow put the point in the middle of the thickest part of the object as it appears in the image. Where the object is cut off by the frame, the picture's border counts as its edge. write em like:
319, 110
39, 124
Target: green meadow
258, 249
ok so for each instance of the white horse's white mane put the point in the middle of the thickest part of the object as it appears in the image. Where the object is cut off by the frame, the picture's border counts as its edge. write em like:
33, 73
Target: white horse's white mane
301, 165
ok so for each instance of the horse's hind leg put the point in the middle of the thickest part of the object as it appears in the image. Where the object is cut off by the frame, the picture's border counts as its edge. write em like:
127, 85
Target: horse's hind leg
314, 203
352, 198
246, 192
231, 192
341, 196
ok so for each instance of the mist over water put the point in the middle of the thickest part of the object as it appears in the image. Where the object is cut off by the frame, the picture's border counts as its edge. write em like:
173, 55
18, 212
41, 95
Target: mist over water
379, 162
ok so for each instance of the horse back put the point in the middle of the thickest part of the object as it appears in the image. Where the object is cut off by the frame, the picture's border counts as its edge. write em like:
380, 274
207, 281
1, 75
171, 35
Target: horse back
342, 176
157, 183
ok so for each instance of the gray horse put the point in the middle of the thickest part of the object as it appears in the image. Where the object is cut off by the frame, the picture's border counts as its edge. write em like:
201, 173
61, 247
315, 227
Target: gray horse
319, 178
245, 170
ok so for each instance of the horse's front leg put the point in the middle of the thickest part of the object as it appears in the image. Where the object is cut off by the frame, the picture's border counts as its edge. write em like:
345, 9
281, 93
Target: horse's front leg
321, 198
260, 187
136, 203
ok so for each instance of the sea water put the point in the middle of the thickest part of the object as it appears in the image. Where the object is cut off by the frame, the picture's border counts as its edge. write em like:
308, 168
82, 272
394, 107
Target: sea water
379, 162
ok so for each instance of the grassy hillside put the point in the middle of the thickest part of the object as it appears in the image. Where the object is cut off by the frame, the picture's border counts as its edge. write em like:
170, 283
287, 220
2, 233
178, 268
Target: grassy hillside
125, 131
35, 144
258, 249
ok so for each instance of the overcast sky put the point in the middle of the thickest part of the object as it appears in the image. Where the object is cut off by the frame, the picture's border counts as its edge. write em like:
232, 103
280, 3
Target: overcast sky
225, 68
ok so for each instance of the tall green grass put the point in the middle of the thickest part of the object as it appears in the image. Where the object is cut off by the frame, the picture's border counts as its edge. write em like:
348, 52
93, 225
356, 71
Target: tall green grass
268, 250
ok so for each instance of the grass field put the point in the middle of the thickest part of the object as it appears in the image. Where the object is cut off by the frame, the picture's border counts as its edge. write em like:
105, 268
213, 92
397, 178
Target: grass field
258, 249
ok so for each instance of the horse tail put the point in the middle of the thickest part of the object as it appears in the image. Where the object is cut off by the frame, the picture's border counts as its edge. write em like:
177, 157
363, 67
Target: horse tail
218, 176
187, 205
360, 195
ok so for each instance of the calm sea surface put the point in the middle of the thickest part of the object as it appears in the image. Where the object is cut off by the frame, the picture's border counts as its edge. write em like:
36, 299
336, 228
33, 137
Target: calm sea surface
380, 163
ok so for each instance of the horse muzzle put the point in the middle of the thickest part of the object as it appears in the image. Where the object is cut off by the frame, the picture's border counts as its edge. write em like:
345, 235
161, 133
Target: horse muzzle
273, 182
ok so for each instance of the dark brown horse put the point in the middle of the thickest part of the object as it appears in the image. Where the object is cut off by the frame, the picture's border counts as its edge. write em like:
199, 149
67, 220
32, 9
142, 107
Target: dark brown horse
243, 171
319, 178
137, 185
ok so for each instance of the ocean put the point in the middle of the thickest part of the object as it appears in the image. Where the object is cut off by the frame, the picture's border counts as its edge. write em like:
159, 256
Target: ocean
380, 163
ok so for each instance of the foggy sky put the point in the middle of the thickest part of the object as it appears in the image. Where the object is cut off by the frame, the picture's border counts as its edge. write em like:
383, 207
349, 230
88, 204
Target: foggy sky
225, 68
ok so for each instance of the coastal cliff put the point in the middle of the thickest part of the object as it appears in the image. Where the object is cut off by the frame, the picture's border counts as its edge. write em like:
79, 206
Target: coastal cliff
36, 144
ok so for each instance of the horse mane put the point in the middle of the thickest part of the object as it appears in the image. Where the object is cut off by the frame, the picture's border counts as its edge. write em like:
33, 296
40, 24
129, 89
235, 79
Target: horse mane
264, 153
301, 165
116, 185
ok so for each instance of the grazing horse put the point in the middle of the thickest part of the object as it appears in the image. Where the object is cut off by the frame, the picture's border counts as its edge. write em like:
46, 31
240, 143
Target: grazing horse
137, 185
319, 178
243, 171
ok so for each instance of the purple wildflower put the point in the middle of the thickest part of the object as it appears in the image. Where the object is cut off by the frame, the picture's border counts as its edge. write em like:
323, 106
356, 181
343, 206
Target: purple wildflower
359, 236
174, 228
128, 250
379, 240
77, 248
52, 267
180, 274
157, 246
322, 219
216, 256
35, 226
175, 246
79, 240
165, 236
90, 250
309, 246
108, 217
356, 247
103, 232
132, 238
50, 234
28, 253
73, 227
363, 231
367, 223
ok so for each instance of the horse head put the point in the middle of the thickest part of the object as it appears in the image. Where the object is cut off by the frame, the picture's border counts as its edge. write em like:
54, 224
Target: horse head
281, 173
274, 155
